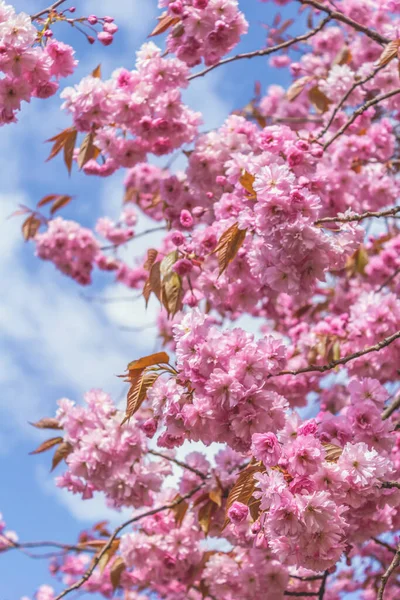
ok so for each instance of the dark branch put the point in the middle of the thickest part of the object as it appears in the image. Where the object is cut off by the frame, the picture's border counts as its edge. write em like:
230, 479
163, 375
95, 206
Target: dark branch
47, 10
390, 212
385, 577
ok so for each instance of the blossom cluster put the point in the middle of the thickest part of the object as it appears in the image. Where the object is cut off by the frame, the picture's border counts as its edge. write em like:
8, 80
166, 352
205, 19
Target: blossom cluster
204, 29
28, 69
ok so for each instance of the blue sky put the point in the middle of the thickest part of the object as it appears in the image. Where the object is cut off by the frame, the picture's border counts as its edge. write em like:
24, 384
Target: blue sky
53, 342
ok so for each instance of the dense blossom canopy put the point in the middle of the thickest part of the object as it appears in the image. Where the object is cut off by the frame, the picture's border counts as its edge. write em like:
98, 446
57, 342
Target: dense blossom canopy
287, 213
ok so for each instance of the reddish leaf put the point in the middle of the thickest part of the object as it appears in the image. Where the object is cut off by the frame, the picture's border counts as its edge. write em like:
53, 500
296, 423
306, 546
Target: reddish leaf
116, 571
206, 513
332, 452
180, 511
318, 99
216, 496
171, 293
60, 140
153, 283
69, 148
87, 151
61, 453
247, 180
97, 72
297, 87
30, 227
137, 393
389, 53
229, 245
343, 57
47, 445
60, 202
47, 423
244, 487
165, 21
148, 361
47, 200
151, 258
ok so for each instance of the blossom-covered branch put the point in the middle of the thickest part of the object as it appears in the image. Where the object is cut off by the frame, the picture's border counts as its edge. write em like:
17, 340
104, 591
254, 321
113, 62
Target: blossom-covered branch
349, 218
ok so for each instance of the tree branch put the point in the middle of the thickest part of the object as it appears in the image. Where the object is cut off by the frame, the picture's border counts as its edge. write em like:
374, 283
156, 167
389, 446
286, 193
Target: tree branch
389, 279
390, 409
264, 51
321, 592
302, 594
359, 112
342, 361
86, 576
179, 463
135, 237
385, 577
338, 16
47, 10
385, 545
390, 485
390, 212
345, 97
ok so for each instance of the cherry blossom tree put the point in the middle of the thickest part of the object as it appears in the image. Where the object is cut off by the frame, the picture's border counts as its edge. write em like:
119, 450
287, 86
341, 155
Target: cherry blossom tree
286, 214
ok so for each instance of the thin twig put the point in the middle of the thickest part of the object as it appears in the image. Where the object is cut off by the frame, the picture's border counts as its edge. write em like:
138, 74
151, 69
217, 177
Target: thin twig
389, 279
135, 237
345, 97
86, 576
179, 463
390, 409
321, 592
301, 594
338, 16
385, 545
385, 577
390, 485
344, 360
359, 112
390, 212
264, 51
311, 578
47, 10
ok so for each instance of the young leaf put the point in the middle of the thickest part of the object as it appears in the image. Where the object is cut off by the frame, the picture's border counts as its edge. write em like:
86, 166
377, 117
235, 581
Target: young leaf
60, 202
97, 72
149, 361
107, 556
87, 151
116, 571
60, 140
229, 245
153, 283
244, 487
69, 148
165, 21
47, 445
61, 453
47, 423
247, 180
137, 393
152, 254
332, 452
30, 227
171, 293
180, 511
216, 496
297, 87
206, 513
389, 53
47, 200
318, 99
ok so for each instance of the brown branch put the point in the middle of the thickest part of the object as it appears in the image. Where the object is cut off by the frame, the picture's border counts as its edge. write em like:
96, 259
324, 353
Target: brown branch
390, 212
359, 112
385, 545
391, 408
338, 16
390, 485
86, 576
47, 10
135, 237
311, 578
385, 577
179, 463
345, 97
301, 594
344, 360
264, 51
389, 279
321, 592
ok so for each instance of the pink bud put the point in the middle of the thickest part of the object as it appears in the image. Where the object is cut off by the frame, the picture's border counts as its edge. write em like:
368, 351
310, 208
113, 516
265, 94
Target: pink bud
183, 266
105, 38
186, 219
238, 512
72, 9
91, 39
48, 33
110, 28
177, 238
198, 211
92, 19
149, 427
108, 19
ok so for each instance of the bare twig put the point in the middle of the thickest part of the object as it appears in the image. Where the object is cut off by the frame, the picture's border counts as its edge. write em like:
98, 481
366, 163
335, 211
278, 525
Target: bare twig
338, 16
135, 237
359, 112
385, 545
264, 51
390, 212
389, 279
302, 594
321, 592
86, 576
342, 361
47, 10
391, 485
385, 577
179, 463
391, 408
345, 97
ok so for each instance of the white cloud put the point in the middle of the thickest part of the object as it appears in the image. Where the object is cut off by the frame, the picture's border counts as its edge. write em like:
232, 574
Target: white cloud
137, 16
